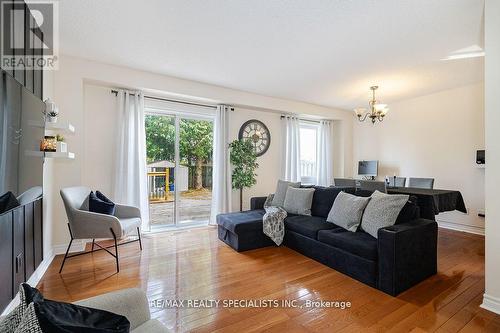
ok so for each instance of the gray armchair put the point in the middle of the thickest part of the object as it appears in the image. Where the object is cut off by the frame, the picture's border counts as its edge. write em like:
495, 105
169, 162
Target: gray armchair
89, 225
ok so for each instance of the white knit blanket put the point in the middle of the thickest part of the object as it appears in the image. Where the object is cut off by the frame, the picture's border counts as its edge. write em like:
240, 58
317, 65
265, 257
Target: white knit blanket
273, 222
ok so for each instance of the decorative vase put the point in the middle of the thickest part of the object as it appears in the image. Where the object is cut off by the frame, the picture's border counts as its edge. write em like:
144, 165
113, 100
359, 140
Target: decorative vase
62, 147
51, 119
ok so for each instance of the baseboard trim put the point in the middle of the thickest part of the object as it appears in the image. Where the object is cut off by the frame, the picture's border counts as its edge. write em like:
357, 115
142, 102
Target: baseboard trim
76, 246
460, 227
491, 303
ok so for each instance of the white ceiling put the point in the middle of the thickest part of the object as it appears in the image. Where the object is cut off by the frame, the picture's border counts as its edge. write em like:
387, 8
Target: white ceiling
326, 52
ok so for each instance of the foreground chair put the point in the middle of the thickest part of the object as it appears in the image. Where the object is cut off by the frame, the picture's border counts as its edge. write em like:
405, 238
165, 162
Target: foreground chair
89, 225
131, 303
421, 182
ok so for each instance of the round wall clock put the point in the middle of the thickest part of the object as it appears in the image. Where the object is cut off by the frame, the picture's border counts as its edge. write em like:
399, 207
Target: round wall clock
258, 134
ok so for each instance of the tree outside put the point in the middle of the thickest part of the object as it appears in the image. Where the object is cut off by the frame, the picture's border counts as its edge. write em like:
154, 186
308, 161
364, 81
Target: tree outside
195, 143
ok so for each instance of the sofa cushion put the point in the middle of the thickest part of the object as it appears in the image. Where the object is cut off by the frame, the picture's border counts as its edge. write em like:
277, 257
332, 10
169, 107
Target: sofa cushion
298, 200
250, 220
280, 194
324, 197
347, 211
409, 212
382, 211
307, 225
358, 243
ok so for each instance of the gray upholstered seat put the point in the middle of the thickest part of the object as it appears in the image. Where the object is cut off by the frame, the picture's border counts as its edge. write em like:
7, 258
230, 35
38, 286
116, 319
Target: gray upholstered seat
372, 185
131, 303
345, 182
84, 224
399, 182
421, 182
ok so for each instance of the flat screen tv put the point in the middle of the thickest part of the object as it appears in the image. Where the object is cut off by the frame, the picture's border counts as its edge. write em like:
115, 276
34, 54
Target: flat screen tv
21, 129
368, 168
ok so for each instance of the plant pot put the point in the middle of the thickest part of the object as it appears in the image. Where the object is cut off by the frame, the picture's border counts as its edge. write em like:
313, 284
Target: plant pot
61, 147
52, 119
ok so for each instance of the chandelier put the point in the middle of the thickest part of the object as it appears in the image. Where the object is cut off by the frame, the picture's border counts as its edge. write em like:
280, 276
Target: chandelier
377, 110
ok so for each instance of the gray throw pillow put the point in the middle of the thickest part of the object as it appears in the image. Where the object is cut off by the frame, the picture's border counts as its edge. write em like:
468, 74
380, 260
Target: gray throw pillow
298, 200
280, 194
347, 211
382, 211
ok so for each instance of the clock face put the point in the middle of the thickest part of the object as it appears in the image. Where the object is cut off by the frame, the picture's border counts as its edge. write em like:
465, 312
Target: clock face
258, 134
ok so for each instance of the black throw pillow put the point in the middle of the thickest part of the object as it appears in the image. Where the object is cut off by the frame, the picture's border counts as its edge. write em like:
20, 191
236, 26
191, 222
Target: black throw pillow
324, 197
100, 206
7, 202
59, 317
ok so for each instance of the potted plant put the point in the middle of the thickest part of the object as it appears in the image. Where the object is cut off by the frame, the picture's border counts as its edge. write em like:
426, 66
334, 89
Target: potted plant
61, 146
51, 111
243, 159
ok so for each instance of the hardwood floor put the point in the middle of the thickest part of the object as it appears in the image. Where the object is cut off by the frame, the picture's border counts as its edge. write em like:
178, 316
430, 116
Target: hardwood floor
194, 264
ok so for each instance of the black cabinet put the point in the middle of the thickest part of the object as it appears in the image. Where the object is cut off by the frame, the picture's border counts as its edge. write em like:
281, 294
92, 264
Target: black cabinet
18, 247
21, 248
6, 270
16, 20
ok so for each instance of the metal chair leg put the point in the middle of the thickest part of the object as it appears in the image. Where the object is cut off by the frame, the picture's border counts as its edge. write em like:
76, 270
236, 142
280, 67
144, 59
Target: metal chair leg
139, 234
116, 251
93, 243
67, 250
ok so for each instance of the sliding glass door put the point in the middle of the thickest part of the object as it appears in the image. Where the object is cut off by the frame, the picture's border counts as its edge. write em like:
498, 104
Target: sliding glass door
179, 160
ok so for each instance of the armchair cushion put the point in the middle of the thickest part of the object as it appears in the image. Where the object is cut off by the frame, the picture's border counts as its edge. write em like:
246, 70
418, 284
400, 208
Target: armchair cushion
101, 204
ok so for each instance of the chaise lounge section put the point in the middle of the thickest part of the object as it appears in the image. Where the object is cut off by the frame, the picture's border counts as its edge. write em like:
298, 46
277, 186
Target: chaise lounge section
402, 255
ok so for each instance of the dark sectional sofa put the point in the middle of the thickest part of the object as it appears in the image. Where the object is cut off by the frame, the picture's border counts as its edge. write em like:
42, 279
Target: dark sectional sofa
402, 256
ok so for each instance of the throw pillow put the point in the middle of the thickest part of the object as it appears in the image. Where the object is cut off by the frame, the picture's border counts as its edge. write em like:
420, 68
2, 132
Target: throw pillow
382, 211
100, 206
27, 295
281, 189
58, 317
298, 201
7, 202
324, 197
347, 211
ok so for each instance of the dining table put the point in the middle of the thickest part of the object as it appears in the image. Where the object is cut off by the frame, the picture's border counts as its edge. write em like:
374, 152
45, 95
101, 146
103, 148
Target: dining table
433, 201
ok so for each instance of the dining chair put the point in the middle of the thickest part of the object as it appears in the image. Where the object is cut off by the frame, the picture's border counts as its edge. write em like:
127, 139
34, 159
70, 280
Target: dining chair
400, 182
83, 224
372, 185
421, 182
344, 182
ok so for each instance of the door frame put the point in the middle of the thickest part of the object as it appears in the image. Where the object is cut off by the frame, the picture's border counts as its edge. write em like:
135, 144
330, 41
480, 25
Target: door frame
177, 116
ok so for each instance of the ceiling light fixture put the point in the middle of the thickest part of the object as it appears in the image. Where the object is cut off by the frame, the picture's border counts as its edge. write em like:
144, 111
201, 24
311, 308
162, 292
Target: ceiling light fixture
377, 110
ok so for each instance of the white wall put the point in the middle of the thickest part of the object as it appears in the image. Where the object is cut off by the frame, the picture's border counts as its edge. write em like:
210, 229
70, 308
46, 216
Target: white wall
82, 102
433, 136
491, 299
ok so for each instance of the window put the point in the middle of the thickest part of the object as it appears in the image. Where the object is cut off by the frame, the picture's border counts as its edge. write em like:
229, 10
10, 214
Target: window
308, 152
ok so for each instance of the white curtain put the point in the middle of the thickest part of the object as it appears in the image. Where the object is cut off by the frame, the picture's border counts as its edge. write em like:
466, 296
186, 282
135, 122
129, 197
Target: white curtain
221, 174
290, 169
324, 168
130, 183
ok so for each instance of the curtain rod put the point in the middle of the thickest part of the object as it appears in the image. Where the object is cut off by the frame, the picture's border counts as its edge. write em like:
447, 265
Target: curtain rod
316, 121
113, 91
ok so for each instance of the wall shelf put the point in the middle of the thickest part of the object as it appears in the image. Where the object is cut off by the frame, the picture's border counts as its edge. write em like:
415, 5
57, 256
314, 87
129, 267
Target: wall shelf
59, 126
49, 154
